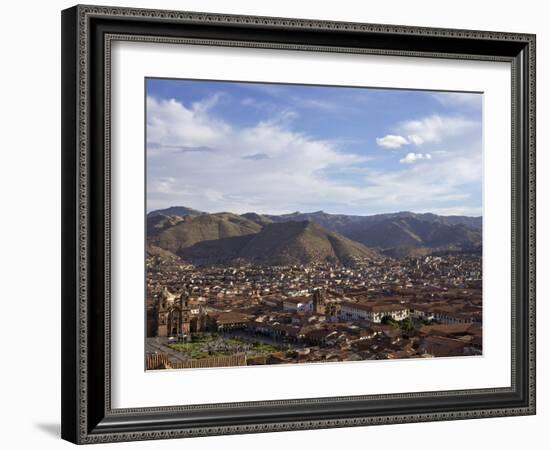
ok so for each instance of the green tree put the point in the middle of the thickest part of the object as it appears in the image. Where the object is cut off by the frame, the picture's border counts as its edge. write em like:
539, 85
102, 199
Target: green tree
389, 320
407, 326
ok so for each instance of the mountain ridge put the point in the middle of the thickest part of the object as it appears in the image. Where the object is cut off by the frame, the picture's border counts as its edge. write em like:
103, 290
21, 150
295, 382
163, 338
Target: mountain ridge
282, 243
395, 234
175, 232
176, 210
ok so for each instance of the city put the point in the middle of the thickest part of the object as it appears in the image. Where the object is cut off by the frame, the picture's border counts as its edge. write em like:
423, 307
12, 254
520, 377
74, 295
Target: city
413, 307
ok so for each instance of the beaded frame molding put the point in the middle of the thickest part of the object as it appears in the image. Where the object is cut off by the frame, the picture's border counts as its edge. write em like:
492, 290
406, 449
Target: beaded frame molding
87, 35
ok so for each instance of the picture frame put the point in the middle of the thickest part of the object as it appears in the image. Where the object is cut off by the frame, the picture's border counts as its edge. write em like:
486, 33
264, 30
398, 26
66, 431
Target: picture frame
87, 35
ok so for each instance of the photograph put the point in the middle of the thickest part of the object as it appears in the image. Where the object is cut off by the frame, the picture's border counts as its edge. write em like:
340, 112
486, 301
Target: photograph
294, 223
275, 220
275, 225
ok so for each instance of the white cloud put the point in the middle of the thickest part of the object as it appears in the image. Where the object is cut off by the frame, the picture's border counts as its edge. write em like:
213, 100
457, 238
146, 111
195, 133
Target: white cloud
170, 123
336, 103
320, 104
416, 140
428, 130
262, 167
449, 182
436, 128
456, 211
271, 168
412, 157
205, 105
213, 195
391, 141
460, 99
163, 185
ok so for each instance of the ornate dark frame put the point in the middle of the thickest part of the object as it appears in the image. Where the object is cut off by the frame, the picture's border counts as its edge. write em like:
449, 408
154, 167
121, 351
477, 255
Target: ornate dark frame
87, 33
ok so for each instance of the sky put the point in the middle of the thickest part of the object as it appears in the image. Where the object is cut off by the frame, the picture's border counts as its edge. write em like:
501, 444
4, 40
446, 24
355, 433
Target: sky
279, 148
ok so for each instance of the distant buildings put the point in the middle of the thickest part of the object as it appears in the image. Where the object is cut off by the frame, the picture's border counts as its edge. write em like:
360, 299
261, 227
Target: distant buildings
324, 312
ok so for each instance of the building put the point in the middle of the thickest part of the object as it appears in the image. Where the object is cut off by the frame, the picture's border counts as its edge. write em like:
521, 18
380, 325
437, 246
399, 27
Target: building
422, 312
176, 318
152, 321
273, 302
298, 304
371, 312
319, 302
440, 346
457, 317
232, 321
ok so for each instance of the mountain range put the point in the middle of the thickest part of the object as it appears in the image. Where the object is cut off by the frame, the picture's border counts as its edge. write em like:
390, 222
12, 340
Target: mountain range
301, 238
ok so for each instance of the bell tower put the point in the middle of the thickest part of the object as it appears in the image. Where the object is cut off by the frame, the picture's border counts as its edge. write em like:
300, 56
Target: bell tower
319, 303
185, 314
163, 312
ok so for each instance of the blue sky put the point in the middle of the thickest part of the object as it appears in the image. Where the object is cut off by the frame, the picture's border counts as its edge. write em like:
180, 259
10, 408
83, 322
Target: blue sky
273, 148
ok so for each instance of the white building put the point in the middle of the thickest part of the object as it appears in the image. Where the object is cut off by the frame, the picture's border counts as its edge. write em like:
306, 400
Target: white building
298, 304
422, 312
371, 312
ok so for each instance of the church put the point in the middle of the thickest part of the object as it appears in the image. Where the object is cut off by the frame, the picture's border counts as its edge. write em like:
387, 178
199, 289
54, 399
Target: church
176, 317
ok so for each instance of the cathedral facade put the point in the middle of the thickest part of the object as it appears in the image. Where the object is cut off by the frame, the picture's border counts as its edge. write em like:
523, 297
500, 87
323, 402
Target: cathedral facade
176, 318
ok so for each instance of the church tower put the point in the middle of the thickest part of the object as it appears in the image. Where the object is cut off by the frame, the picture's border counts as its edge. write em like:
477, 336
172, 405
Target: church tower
185, 313
319, 303
165, 300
